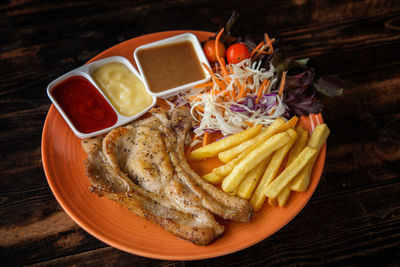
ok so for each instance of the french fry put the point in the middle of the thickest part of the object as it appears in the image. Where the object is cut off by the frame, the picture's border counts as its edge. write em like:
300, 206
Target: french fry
225, 169
212, 178
290, 124
232, 181
298, 146
318, 138
247, 186
232, 153
258, 197
284, 196
302, 180
228, 142
287, 175
278, 126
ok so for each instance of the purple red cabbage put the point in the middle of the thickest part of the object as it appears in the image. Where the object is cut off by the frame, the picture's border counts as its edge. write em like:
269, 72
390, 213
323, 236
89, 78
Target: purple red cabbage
265, 103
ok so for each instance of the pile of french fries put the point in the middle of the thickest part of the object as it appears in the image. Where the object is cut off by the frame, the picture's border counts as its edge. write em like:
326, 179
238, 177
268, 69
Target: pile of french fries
265, 163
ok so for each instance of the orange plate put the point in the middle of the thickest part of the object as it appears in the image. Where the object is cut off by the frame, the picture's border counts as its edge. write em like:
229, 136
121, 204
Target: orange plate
63, 158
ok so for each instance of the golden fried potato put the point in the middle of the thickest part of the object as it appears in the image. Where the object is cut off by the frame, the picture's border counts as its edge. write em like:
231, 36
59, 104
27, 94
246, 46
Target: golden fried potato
247, 186
214, 148
232, 153
284, 196
287, 175
290, 124
318, 138
225, 169
212, 178
232, 181
299, 145
258, 197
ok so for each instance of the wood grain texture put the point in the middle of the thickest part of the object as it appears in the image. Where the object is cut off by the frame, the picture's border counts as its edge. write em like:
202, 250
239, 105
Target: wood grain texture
353, 217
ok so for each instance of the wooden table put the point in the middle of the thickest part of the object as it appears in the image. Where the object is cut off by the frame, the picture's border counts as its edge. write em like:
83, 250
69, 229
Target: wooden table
354, 216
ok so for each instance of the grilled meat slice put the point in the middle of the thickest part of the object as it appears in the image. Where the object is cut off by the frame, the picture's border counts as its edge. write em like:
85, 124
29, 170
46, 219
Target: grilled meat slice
194, 224
142, 166
212, 198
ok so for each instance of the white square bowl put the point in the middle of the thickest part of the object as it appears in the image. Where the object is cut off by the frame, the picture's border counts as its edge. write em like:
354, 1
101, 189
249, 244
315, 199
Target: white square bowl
175, 39
86, 71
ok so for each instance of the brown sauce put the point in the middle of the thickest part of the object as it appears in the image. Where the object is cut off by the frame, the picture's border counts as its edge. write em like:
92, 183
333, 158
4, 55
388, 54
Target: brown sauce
170, 66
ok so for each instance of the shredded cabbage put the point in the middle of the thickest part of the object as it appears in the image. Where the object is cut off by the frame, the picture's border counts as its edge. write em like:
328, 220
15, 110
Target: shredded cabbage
214, 111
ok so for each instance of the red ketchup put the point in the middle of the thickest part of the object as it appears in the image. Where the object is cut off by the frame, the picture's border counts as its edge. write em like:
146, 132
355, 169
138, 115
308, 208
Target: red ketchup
85, 107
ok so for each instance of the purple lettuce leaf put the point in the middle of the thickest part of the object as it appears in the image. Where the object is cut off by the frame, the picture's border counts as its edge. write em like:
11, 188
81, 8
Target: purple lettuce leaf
299, 96
303, 79
300, 102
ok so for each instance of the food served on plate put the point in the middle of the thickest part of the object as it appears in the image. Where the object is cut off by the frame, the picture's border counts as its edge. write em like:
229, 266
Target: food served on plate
260, 171
143, 167
251, 106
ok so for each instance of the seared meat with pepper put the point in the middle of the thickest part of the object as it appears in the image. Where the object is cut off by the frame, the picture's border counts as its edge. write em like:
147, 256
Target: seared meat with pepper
143, 166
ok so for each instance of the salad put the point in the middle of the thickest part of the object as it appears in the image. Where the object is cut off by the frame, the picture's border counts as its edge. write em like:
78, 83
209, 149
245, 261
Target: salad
252, 83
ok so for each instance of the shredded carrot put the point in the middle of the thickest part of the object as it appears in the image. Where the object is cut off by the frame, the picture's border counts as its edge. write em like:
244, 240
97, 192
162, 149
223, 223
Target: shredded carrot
233, 93
249, 123
283, 81
258, 53
256, 48
194, 97
161, 102
220, 59
205, 139
227, 95
261, 52
242, 90
189, 150
200, 108
191, 144
208, 69
265, 84
250, 80
224, 70
242, 93
201, 85
269, 42
230, 69
221, 84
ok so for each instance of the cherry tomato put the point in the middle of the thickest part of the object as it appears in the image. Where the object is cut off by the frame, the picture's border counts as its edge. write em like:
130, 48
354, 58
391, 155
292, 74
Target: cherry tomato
236, 53
209, 50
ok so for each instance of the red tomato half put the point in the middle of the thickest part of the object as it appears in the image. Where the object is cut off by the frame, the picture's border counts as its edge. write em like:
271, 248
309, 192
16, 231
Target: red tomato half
236, 53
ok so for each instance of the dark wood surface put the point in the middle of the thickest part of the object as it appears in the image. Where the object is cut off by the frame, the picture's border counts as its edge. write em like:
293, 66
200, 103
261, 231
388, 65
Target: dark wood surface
354, 216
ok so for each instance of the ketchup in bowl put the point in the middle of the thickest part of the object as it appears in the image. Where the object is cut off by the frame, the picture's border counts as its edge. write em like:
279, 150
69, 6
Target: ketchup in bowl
85, 107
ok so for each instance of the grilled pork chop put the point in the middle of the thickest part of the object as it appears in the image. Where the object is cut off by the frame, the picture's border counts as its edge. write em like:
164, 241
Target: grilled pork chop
143, 167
